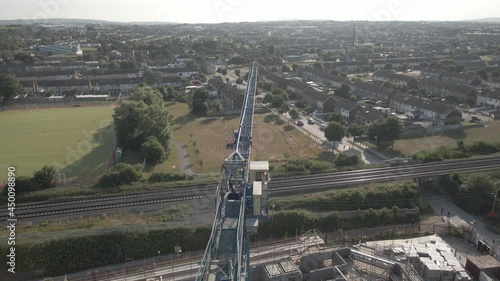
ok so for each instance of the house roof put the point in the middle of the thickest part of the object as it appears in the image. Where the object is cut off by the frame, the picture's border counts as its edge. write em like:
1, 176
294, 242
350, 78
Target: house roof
491, 95
45, 73
275, 78
230, 92
176, 70
263, 72
457, 75
437, 107
435, 71
346, 104
301, 86
370, 114
216, 82
316, 95
462, 89
323, 75
110, 71
382, 90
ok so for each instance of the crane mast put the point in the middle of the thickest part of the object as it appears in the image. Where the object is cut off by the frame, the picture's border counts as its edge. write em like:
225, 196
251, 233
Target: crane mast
241, 200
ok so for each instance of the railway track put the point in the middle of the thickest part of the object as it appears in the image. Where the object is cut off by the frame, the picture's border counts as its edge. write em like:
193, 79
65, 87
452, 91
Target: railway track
278, 186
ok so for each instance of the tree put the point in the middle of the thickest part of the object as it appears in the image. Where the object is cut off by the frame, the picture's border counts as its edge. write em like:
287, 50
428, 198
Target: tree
284, 108
388, 66
345, 92
268, 98
46, 177
319, 66
334, 132
199, 105
356, 130
151, 77
9, 87
237, 72
130, 64
239, 81
153, 151
223, 72
184, 82
337, 117
192, 64
147, 95
277, 101
495, 74
295, 67
385, 130
459, 68
137, 119
285, 68
71, 93
413, 92
294, 113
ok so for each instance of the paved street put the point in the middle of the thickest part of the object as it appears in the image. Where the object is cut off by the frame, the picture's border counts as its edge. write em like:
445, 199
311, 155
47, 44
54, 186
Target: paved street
460, 217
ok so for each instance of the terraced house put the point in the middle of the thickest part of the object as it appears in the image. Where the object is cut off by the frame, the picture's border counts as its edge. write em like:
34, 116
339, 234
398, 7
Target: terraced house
372, 91
415, 108
460, 93
398, 79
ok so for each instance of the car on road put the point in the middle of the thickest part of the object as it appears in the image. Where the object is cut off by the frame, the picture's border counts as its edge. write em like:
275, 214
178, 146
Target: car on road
310, 121
300, 123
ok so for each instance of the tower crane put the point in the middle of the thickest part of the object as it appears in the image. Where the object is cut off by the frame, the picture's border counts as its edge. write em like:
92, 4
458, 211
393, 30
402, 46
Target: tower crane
241, 202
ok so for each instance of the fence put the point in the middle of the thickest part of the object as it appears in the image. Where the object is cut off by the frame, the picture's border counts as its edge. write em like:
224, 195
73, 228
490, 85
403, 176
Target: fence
357, 213
382, 232
432, 130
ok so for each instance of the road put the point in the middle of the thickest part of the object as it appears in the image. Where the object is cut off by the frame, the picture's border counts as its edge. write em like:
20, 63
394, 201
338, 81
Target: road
460, 217
343, 146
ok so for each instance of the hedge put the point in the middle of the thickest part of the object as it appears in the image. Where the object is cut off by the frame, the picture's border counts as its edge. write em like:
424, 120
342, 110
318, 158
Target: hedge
62, 256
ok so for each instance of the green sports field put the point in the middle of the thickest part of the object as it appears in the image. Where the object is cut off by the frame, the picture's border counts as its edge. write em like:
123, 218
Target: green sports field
78, 141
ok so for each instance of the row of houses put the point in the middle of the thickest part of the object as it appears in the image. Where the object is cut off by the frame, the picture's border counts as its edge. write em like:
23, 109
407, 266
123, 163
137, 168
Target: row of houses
451, 77
97, 74
436, 113
399, 80
84, 86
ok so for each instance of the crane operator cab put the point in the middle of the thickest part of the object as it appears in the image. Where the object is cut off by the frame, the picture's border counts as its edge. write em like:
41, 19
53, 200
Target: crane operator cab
257, 196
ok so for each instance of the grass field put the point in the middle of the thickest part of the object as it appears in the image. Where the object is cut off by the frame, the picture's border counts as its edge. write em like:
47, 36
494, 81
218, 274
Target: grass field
272, 139
78, 141
490, 133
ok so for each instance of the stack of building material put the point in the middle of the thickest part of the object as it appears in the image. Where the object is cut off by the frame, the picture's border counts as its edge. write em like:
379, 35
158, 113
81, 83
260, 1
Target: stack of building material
432, 272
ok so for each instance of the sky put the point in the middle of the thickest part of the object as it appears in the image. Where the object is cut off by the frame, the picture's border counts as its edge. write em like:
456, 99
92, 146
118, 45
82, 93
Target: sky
214, 11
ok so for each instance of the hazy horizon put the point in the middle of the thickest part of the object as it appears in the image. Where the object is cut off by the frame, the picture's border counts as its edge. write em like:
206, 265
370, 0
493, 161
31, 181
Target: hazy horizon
216, 11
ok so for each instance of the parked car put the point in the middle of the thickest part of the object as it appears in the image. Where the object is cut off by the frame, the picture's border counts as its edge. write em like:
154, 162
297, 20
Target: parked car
310, 121
322, 127
300, 123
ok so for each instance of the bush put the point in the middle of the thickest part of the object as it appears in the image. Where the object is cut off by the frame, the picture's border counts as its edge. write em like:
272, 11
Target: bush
168, 177
344, 160
23, 184
121, 174
46, 177
73, 254
153, 151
